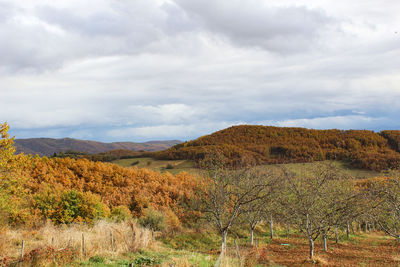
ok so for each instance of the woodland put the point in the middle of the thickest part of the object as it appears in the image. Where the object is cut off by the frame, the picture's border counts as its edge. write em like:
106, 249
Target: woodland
231, 211
276, 145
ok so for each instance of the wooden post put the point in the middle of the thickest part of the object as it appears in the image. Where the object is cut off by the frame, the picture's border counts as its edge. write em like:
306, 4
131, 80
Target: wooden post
52, 245
22, 249
112, 241
83, 245
271, 227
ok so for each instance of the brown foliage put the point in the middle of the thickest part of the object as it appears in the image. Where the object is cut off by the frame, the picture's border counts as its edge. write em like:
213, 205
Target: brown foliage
265, 144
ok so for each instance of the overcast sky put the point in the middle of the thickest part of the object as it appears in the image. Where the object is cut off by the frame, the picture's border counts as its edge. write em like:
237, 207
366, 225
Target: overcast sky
137, 70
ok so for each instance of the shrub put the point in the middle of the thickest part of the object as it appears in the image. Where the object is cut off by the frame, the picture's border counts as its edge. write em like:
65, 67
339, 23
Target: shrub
146, 261
69, 206
172, 221
152, 219
97, 259
135, 163
120, 213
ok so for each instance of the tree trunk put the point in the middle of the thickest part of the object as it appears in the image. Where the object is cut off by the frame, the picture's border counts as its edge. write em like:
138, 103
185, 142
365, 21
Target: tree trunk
251, 236
271, 227
336, 235
288, 229
359, 226
351, 227
223, 245
311, 248
347, 229
223, 249
366, 227
325, 243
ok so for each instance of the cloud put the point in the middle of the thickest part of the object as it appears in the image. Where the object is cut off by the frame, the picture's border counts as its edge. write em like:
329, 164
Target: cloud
258, 24
336, 122
46, 36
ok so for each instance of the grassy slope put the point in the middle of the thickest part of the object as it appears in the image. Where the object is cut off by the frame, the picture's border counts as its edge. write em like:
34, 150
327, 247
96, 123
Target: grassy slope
158, 165
188, 166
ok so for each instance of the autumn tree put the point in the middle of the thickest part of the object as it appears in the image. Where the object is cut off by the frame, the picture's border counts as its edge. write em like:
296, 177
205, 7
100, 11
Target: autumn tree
13, 192
312, 199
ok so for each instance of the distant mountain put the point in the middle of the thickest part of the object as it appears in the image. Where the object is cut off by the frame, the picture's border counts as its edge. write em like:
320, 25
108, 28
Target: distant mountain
266, 144
49, 146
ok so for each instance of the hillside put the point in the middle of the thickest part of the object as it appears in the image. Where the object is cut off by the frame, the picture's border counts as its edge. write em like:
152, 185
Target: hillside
266, 144
49, 146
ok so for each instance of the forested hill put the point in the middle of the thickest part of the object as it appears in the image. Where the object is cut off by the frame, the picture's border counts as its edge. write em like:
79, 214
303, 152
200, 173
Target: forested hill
49, 146
267, 144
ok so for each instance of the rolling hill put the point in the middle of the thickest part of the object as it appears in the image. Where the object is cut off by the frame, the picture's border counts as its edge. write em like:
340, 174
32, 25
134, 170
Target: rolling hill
274, 145
49, 146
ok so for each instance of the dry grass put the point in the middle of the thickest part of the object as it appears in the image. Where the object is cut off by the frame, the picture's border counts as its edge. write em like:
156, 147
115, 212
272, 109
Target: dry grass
372, 249
128, 237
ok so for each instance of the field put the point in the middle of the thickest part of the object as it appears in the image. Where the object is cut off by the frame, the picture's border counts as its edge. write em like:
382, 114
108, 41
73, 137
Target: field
176, 166
172, 166
199, 247
342, 166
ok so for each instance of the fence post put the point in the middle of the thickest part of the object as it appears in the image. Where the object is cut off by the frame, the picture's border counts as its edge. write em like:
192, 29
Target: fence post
83, 245
22, 249
112, 241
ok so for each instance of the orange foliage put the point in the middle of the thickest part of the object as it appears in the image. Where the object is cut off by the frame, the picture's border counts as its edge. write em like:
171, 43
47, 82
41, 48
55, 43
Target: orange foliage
131, 187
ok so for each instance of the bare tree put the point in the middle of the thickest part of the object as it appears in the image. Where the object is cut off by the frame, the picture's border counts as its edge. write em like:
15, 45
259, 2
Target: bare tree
228, 192
384, 209
254, 212
315, 201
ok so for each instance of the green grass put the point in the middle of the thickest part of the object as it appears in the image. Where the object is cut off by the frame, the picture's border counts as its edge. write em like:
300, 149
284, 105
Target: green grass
188, 166
200, 242
149, 258
344, 167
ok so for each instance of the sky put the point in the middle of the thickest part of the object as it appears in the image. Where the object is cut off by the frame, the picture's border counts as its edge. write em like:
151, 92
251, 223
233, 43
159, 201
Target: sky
138, 70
